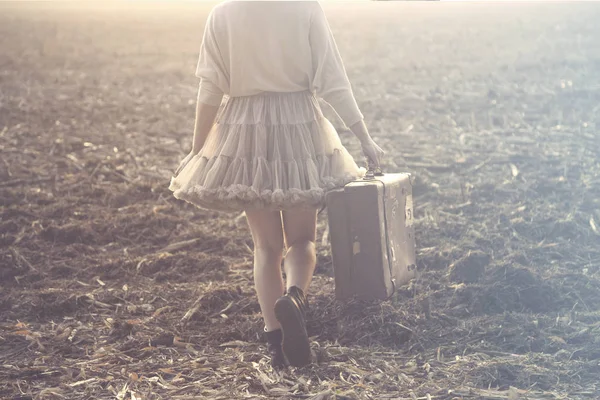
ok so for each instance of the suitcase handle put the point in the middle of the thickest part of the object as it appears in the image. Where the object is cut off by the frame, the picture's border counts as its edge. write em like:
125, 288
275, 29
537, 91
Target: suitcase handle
372, 171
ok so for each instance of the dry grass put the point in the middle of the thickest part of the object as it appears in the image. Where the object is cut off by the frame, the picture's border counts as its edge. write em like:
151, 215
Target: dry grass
113, 289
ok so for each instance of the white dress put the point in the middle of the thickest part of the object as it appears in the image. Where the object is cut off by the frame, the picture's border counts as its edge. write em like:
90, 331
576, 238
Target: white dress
266, 63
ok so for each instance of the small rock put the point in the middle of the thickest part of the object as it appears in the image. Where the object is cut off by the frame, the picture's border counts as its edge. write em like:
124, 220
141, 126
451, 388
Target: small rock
469, 269
147, 308
562, 355
163, 340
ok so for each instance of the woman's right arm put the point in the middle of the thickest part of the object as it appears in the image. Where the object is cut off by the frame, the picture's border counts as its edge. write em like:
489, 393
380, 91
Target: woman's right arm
370, 149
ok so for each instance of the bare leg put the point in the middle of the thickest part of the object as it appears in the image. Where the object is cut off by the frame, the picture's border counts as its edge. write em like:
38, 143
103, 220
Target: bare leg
300, 228
266, 228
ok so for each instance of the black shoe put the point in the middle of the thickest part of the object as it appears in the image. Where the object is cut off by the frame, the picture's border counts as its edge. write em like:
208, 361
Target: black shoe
290, 311
274, 339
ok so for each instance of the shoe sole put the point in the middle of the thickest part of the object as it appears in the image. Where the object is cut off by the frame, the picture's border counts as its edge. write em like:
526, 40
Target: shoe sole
296, 346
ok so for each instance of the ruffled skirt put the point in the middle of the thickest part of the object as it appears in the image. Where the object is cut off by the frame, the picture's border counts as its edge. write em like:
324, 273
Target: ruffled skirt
271, 150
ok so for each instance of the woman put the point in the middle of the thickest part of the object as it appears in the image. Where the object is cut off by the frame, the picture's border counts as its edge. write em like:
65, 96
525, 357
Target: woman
270, 151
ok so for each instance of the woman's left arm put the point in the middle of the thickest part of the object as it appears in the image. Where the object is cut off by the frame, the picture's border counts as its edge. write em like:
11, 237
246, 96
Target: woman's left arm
205, 118
213, 75
212, 71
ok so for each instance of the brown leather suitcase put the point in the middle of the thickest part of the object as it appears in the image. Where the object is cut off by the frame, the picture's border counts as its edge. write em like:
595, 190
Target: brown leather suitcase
372, 236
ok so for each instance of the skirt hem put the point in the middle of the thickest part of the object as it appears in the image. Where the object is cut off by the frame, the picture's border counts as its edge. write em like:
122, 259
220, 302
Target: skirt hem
239, 197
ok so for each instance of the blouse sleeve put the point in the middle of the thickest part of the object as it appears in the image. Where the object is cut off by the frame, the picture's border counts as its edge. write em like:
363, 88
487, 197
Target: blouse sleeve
211, 68
330, 80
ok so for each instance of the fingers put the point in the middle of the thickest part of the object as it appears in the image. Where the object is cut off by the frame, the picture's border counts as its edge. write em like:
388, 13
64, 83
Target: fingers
183, 164
177, 171
370, 159
373, 155
372, 163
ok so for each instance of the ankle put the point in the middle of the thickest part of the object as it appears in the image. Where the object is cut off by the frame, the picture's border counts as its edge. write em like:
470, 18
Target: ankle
299, 297
295, 290
274, 337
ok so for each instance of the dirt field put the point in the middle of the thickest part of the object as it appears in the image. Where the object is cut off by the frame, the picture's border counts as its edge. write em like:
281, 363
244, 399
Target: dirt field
111, 288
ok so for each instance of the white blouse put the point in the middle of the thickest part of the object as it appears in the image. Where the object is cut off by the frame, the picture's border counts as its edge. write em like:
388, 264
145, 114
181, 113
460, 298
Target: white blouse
250, 47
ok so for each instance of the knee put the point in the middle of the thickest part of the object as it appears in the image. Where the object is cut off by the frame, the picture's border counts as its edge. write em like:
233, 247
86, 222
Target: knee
304, 245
